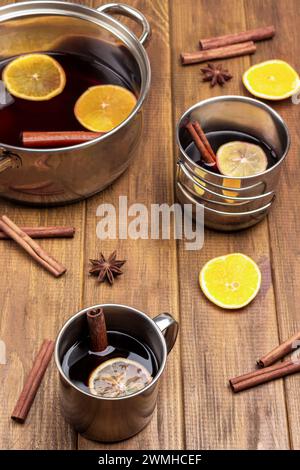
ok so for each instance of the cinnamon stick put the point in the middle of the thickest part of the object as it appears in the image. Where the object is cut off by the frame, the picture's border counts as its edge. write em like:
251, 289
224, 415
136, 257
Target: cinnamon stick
201, 143
97, 330
262, 376
31, 247
44, 232
279, 352
57, 139
234, 50
258, 34
33, 382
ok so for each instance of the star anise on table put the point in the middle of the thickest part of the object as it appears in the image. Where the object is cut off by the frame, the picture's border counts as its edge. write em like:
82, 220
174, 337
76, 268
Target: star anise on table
215, 74
106, 269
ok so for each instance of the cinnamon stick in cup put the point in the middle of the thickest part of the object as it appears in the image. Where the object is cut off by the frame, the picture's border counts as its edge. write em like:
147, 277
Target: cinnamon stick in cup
279, 352
201, 142
97, 330
33, 382
31, 247
258, 34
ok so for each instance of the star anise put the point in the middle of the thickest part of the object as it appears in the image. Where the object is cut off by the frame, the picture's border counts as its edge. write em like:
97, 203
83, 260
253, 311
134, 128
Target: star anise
106, 269
215, 74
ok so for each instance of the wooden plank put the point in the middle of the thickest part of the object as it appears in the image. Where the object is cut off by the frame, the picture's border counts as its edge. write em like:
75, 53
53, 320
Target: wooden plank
34, 306
283, 221
216, 344
150, 279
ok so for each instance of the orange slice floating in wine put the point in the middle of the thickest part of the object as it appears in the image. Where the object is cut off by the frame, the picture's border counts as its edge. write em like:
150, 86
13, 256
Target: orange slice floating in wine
103, 107
34, 77
118, 377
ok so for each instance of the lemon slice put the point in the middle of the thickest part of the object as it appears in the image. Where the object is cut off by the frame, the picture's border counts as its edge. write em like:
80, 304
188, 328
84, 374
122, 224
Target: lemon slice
230, 281
272, 80
34, 77
241, 159
103, 107
118, 377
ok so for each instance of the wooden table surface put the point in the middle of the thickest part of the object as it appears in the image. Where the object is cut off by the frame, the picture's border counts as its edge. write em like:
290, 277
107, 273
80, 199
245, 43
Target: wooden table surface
195, 407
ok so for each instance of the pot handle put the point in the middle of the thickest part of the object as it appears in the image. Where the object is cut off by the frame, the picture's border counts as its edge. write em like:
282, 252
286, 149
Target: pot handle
169, 328
8, 160
132, 13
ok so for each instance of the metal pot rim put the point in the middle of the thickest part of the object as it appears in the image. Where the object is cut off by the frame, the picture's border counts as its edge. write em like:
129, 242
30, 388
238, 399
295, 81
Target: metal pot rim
121, 306
246, 99
89, 14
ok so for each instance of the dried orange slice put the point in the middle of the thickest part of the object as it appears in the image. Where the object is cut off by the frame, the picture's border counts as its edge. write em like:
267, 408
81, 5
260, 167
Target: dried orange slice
34, 77
272, 80
238, 158
118, 377
101, 108
230, 281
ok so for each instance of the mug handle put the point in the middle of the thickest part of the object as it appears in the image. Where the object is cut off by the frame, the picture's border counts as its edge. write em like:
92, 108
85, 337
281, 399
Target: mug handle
169, 328
132, 13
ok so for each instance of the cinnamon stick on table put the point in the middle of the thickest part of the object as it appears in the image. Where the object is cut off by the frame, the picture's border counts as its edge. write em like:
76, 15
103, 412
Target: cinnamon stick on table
31, 247
261, 376
44, 232
234, 50
33, 382
97, 330
258, 34
201, 142
280, 351
57, 139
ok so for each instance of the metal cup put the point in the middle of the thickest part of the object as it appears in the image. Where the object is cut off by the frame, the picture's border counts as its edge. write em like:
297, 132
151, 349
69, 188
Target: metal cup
114, 419
241, 114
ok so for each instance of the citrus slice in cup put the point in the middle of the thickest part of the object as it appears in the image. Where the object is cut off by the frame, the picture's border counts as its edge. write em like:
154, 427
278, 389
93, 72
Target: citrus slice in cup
101, 108
241, 159
34, 77
119, 377
230, 281
272, 80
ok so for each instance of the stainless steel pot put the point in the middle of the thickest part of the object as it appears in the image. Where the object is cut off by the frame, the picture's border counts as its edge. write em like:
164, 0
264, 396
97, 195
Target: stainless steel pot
242, 114
114, 419
223, 221
63, 175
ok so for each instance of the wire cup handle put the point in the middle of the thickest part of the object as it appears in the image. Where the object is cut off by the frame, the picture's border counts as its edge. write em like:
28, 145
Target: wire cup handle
169, 328
132, 13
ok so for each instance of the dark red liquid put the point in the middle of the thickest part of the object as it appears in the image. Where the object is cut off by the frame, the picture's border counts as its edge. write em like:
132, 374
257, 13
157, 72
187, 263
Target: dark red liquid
219, 138
79, 362
57, 113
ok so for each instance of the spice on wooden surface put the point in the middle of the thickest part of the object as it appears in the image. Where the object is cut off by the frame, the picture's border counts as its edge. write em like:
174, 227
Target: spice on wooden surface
280, 351
33, 382
261, 376
31, 247
106, 269
44, 232
258, 34
234, 50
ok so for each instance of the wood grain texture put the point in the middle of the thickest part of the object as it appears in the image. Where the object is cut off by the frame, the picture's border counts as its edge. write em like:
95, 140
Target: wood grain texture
284, 220
196, 409
216, 344
150, 280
